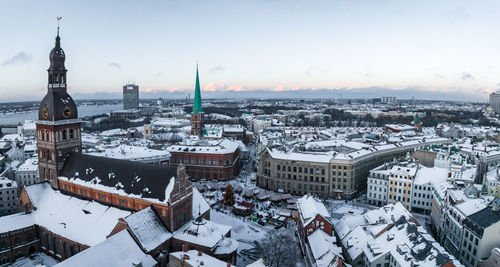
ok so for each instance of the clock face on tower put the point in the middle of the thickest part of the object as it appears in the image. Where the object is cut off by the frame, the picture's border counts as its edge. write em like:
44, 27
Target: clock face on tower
66, 112
45, 113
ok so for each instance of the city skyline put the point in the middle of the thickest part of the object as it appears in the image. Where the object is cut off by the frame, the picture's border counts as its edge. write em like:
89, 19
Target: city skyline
443, 51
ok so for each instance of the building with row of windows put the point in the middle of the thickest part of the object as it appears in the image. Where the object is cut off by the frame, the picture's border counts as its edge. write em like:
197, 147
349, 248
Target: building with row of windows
389, 236
27, 173
316, 236
495, 101
466, 222
329, 173
8, 196
211, 160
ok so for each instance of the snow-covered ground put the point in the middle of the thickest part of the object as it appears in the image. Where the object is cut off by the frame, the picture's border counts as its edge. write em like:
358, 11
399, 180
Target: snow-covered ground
245, 232
39, 260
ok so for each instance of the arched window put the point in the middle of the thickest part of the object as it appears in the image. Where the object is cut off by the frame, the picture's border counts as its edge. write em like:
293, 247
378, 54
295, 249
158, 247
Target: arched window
51, 243
58, 246
67, 250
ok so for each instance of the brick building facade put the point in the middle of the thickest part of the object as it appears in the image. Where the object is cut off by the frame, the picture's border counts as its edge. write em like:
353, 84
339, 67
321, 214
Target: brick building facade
215, 160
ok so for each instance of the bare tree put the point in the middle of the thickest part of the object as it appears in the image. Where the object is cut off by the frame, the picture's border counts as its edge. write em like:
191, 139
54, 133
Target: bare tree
279, 248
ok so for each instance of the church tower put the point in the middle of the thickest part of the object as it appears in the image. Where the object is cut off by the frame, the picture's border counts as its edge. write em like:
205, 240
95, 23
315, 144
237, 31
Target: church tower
197, 114
58, 129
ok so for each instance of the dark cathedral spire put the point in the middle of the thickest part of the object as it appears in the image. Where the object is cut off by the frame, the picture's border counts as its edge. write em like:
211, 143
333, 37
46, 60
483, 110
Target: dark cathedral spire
57, 104
58, 129
57, 70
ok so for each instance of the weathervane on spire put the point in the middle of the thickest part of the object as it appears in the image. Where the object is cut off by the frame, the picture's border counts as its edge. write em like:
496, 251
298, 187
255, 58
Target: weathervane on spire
58, 20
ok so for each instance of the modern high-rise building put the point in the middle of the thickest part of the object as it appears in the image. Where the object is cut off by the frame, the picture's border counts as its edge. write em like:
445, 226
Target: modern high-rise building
495, 101
130, 96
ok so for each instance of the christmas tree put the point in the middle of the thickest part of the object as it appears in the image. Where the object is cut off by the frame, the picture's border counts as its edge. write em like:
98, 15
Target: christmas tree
229, 196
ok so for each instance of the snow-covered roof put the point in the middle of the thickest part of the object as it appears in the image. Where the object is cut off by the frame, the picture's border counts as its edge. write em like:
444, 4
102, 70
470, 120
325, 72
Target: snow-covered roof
118, 250
7, 183
30, 164
200, 204
384, 215
202, 232
323, 248
310, 157
169, 122
401, 170
224, 146
12, 138
133, 153
151, 182
148, 228
309, 208
432, 176
471, 206
493, 175
257, 263
195, 258
353, 151
83, 221
440, 189
409, 245
29, 125
387, 214
16, 221
391, 229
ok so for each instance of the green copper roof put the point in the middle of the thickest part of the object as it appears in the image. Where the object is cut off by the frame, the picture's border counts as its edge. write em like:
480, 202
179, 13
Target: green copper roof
197, 95
416, 119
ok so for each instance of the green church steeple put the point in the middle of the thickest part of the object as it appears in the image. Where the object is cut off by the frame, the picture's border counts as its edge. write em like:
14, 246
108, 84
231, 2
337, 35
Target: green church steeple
197, 95
416, 119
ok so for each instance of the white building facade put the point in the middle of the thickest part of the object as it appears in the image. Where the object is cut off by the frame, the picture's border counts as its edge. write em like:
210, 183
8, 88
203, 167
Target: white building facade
8, 196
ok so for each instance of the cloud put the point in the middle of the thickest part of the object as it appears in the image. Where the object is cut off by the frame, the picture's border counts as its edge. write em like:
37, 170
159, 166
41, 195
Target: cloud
18, 58
115, 65
237, 88
217, 69
159, 74
222, 87
281, 92
439, 76
467, 76
211, 87
484, 91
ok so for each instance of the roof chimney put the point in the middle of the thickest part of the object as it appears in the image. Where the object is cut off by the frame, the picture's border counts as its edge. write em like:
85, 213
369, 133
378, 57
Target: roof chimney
184, 248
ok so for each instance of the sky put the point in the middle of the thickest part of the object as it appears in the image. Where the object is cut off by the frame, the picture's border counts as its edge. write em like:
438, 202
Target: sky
426, 49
